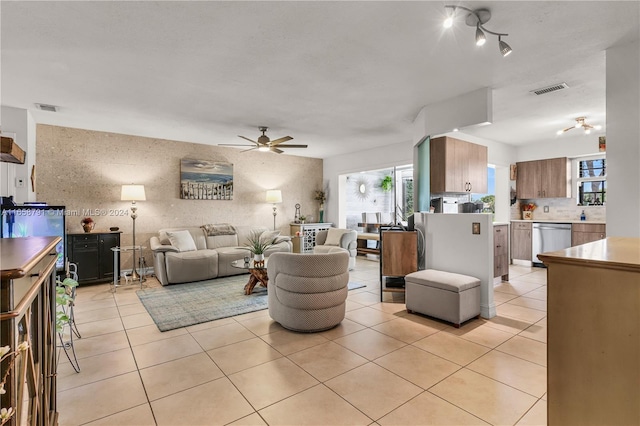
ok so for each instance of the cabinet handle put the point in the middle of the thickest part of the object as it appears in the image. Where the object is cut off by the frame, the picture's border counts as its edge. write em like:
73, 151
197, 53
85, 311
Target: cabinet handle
498, 230
538, 193
498, 246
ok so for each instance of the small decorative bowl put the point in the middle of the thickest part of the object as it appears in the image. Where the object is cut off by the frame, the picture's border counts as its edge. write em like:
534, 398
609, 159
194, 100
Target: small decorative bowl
114, 228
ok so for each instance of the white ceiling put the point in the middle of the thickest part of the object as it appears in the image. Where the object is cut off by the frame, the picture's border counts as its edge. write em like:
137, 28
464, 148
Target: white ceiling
338, 76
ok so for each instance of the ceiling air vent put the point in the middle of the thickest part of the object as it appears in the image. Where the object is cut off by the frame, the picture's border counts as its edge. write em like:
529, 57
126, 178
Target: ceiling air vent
550, 89
45, 107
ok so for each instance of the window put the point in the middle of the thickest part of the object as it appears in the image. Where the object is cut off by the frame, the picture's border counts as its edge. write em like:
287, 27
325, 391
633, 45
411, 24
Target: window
592, 182
489, 199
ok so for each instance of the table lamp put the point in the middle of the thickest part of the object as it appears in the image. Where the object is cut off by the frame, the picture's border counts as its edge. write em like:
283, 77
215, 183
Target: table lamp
133, 193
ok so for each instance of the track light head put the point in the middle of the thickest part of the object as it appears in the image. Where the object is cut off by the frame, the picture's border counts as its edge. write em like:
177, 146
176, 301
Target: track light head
481, 39
505, 49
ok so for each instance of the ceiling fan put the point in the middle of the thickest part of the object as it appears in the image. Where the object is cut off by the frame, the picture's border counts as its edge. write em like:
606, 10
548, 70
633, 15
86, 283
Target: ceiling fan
580, 122
265, 144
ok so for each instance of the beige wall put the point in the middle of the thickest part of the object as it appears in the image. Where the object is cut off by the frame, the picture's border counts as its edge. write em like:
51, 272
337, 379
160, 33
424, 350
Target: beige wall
84, 170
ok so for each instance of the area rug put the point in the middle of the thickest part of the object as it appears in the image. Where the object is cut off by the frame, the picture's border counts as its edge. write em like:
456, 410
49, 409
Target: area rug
182, 305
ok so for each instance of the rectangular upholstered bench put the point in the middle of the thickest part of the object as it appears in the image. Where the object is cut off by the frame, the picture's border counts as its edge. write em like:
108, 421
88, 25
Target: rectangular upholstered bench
445, 295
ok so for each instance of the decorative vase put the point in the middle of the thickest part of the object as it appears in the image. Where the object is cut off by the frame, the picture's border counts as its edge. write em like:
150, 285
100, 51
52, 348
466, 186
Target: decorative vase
527, 215
321, 213
88, 227
258, 260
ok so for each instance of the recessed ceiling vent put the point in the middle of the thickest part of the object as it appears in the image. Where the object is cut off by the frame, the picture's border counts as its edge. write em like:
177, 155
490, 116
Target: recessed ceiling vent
45, 107
550, 89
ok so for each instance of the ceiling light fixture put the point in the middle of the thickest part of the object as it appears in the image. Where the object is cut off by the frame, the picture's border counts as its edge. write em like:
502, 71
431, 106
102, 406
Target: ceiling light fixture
477, 18
580, 122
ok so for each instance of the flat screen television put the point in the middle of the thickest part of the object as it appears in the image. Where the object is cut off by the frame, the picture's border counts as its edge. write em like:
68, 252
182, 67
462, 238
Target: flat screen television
36, 221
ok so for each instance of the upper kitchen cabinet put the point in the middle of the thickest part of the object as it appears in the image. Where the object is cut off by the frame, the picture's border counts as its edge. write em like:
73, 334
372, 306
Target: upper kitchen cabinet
544, 178
457, 166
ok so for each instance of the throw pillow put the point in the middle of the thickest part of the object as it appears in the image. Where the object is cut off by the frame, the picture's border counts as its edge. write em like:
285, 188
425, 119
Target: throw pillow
269, 236
182, 240
333, 236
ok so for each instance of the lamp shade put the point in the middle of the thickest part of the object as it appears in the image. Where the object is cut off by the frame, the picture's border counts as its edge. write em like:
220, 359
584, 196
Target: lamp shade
274, 196
132, 193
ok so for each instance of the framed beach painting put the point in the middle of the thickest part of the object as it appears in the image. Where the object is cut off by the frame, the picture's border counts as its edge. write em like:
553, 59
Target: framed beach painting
206, 180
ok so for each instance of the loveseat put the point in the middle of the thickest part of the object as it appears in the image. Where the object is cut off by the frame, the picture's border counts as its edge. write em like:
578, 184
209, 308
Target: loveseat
208, 253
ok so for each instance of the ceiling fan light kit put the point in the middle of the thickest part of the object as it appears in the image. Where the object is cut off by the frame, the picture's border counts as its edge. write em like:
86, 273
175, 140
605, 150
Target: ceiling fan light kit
581, 122
265, 144
477, 18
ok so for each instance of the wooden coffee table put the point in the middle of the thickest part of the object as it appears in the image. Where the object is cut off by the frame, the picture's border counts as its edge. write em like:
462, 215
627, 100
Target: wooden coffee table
258, 274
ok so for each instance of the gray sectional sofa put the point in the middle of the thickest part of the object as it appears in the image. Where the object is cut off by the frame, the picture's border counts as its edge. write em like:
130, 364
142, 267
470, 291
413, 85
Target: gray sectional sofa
210, 256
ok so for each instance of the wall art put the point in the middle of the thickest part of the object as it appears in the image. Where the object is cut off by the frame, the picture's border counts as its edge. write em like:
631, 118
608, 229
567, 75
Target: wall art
206, 180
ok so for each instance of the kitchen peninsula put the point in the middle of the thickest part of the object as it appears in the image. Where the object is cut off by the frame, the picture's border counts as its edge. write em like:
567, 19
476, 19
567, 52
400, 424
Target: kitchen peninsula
593, 348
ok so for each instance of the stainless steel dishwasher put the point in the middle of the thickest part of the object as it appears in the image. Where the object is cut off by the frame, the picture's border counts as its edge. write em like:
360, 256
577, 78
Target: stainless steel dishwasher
549, 237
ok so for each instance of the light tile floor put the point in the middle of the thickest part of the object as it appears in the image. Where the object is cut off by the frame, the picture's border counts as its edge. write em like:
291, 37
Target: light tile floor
380, 366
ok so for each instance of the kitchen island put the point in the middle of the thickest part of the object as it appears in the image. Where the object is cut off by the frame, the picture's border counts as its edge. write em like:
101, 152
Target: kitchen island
593, 323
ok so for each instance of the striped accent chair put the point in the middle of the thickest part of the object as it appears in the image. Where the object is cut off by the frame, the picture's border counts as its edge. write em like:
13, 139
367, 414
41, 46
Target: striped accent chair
307, 292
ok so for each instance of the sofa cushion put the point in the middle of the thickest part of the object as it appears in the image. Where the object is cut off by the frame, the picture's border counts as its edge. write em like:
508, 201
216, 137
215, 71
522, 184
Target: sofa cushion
182, 240
334, 235
222, 241
269, 236
196, 232
191, 266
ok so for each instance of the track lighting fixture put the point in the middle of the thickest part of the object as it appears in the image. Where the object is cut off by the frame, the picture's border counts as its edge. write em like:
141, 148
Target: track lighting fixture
580, 122
477, 18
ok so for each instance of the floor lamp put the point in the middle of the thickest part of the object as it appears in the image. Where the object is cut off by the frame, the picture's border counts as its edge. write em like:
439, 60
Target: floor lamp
133, 193
274, 196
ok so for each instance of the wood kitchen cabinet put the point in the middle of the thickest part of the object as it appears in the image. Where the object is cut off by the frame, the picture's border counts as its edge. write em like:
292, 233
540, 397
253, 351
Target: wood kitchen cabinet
501, 251
457, 166
582, 233
92, 253
521, 240
544, 178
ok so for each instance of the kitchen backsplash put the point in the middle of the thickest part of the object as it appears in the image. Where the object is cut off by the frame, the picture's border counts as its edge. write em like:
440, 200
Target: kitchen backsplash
559, 209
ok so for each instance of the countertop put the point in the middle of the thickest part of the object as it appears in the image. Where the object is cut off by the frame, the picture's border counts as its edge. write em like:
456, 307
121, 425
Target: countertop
500, 223
612, 252
597, 222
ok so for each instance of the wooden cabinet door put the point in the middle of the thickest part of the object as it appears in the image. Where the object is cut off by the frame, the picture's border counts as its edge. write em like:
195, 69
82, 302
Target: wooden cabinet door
457, 165
399, 255
528, 180
444, 165
477, 171
555, 179
521, 241
583, 233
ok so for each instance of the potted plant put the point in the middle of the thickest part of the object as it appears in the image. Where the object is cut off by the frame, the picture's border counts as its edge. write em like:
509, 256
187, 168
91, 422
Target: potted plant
386, 184
257, 246
527, 211
321, 197
302, 218
87, 224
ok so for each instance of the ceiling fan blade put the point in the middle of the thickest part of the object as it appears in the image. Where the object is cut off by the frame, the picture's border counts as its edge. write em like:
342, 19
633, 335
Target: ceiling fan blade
293, 146
245, 138
279, 141
250, 149
276, 150
234, 144
568, 128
